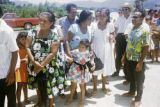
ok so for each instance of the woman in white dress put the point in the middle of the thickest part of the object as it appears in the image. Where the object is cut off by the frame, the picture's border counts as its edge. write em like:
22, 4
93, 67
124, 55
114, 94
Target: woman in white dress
103, 46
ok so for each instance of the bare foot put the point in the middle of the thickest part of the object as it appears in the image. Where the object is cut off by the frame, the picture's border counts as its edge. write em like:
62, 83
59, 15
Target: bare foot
81, 104
69, 101
106, 91
94, 92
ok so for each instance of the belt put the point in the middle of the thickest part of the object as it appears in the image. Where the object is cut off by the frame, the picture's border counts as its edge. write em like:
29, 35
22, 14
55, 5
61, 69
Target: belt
121, 33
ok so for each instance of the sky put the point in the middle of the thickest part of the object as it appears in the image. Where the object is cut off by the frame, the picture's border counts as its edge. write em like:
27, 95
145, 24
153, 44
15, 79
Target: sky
60, 1
95, 3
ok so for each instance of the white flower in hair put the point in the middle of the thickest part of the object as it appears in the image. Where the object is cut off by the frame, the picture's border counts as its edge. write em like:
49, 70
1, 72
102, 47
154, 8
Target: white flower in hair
37, 46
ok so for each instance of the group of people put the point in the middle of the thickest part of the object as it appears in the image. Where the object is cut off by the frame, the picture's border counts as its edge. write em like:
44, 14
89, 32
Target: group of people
46, 57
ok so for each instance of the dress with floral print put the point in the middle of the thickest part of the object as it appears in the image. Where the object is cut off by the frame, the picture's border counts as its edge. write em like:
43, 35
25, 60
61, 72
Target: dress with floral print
75, 71
54, 75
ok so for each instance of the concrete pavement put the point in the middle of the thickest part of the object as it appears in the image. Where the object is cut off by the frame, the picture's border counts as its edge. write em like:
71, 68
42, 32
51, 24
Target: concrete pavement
150, 97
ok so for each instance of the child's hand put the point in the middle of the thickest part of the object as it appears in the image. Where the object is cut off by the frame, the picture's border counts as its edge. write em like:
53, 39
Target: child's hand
93, 67
37, 67
70, 60
25, 60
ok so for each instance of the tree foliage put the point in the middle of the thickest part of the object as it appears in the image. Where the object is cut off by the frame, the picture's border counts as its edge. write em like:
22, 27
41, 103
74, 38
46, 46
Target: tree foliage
30, 10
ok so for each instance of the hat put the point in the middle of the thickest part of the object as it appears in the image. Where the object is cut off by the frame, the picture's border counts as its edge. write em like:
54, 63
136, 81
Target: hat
127, 5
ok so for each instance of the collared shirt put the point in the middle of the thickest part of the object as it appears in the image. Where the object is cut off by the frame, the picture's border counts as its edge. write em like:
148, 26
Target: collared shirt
7, 46
122, 23
137, 39
65, 24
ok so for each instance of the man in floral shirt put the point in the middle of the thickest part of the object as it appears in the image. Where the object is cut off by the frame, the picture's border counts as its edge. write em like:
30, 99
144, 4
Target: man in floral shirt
136, 51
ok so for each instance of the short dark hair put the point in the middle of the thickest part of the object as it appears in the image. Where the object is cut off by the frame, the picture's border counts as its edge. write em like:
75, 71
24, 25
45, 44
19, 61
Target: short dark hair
142, 13
107, 12
1, 12
84, 42
69, 6
21, 35
84, 16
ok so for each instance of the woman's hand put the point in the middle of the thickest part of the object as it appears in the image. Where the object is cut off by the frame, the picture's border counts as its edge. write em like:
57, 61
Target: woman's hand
139, 66
93, 67
111, 39
123, 60
37, 67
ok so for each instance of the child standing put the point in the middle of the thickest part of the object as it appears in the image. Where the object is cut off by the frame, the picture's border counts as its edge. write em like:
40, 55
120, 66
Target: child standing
79, 70
21, 73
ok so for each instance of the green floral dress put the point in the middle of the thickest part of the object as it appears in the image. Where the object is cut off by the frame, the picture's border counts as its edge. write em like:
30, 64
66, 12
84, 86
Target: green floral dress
52, 73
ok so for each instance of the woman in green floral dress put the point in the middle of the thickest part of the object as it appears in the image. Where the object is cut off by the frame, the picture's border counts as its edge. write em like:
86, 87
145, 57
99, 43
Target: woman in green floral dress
44, 67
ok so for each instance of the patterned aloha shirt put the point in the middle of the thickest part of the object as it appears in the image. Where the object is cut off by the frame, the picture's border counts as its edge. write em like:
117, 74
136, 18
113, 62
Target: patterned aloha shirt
137, 39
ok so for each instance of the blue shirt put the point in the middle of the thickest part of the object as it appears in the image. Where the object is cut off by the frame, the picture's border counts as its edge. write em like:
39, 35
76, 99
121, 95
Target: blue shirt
65, 24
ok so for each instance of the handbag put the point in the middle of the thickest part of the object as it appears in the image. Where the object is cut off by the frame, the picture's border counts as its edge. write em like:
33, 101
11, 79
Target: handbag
98, 63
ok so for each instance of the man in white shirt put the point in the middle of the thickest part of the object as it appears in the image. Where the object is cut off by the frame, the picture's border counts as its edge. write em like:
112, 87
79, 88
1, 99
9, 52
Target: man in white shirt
8, 60
120, 46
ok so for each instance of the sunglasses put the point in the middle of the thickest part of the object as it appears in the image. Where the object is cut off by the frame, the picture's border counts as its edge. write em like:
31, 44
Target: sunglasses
125, 9
135, 17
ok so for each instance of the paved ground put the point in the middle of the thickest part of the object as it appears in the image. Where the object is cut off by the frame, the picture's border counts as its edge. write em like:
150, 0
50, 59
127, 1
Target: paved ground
150, 98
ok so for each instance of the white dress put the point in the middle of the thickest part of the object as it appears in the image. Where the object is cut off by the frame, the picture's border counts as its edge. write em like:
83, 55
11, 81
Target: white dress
103, 48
